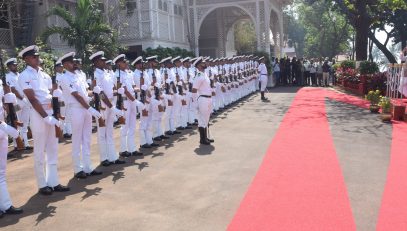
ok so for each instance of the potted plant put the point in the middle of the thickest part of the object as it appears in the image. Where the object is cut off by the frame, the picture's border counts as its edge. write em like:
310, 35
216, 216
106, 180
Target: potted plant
374, 98
385, 104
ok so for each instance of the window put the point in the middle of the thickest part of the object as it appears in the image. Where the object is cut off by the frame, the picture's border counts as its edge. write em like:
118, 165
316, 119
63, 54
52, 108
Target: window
131, 5
165, 6
160, 4
4, 22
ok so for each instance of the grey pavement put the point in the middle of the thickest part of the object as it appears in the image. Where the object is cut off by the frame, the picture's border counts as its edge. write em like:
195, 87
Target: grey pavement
182, 186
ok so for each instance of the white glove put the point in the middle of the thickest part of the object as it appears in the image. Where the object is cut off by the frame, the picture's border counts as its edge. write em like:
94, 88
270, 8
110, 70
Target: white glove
9, 130
97, 90
10, 98
50, 120
94, 113
26, 101
120, 91
57, 93
117, 112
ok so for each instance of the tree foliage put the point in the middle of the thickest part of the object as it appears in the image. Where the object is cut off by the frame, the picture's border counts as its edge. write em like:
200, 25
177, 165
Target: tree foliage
317, 27
162, 52
245, 37
86, 30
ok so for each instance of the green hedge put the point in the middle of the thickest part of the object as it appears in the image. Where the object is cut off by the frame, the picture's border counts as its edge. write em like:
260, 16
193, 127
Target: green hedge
366, 68
162, 52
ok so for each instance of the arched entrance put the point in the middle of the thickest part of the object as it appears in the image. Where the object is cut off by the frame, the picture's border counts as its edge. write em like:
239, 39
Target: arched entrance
216, 31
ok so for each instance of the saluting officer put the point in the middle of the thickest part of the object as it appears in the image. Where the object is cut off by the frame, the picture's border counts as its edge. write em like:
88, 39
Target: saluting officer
77, 100
36, 86
106, 82
6, 206
203, 94
23, 114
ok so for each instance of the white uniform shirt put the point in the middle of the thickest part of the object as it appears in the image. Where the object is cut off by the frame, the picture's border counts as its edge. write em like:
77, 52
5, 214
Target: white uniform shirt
203, 84
127, 80
72, 82
12, 81
105, 81
262, 69
39, 81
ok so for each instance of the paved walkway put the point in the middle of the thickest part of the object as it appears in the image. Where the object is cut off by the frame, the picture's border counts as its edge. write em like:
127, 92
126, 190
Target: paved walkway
180, 186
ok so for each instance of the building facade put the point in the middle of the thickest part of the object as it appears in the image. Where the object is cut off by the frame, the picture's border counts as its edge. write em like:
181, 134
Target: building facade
202, 26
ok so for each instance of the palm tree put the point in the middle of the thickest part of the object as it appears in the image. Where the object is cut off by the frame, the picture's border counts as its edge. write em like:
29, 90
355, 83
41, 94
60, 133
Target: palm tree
85, 31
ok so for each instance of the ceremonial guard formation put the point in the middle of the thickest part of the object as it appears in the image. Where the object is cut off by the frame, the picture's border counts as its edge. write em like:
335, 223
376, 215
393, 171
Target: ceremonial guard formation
149, 99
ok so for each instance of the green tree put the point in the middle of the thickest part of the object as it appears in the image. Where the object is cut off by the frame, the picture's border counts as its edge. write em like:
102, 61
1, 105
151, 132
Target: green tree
163, 52
295, 31
86, 30
245, 37
326, 31
366, 16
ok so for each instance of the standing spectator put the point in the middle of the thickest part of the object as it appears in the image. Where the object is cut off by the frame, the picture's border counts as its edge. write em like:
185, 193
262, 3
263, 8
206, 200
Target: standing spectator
276, 71
294, 71
325, 73
307, 76
299, 72
319, 72
288, 70
313, 71
283, 78
332, 73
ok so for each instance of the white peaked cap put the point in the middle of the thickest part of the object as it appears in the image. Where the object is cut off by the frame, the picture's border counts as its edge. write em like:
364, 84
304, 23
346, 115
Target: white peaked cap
97, 54
32, 49
66, 56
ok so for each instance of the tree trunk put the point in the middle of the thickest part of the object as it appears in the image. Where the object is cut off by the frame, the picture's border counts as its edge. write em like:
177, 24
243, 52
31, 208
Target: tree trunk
383, 48
362, 23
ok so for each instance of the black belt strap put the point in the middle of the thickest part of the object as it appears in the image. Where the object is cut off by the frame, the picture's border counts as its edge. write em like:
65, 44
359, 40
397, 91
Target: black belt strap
205, 96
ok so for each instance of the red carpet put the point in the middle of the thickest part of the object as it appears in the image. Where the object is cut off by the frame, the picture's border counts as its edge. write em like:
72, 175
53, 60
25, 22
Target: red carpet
393, 211
299, 185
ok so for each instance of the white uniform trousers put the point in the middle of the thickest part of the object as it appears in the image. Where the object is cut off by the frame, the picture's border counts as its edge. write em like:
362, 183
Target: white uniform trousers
5, 201
107, 147
191, 111
128, 130
24, 116
157, 127
169, 121
145, 130
204, 111
263, 80
184, 116
67, 126
175, 116
45, 150
81, 139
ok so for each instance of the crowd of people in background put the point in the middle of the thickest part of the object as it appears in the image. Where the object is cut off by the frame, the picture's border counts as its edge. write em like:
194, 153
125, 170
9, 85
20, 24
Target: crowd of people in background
302, 72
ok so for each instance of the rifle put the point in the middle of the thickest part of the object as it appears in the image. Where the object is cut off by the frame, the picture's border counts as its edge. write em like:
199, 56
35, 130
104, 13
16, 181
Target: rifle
98, 105
11, 115
144, 112
119, 103
167, 87
56, 108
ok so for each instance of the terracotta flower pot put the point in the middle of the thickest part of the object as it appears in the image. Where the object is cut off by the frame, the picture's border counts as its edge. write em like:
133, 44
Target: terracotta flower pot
386, 117
374, 108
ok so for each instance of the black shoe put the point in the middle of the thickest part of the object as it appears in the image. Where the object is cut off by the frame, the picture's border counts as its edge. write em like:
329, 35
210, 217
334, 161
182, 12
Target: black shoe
164, 137
80, 175
154, 145
118, 162
61, 188
170, 133
13, 210
105, 163
188, 127
136, 153
176, 132
94, 173
202, 139
1, 214
157, 139
180, 128
125, 154
67, 136
145, 146
29, 148
45, 191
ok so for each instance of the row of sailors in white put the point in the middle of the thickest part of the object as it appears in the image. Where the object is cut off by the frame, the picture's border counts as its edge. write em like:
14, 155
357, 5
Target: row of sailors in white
35, 86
